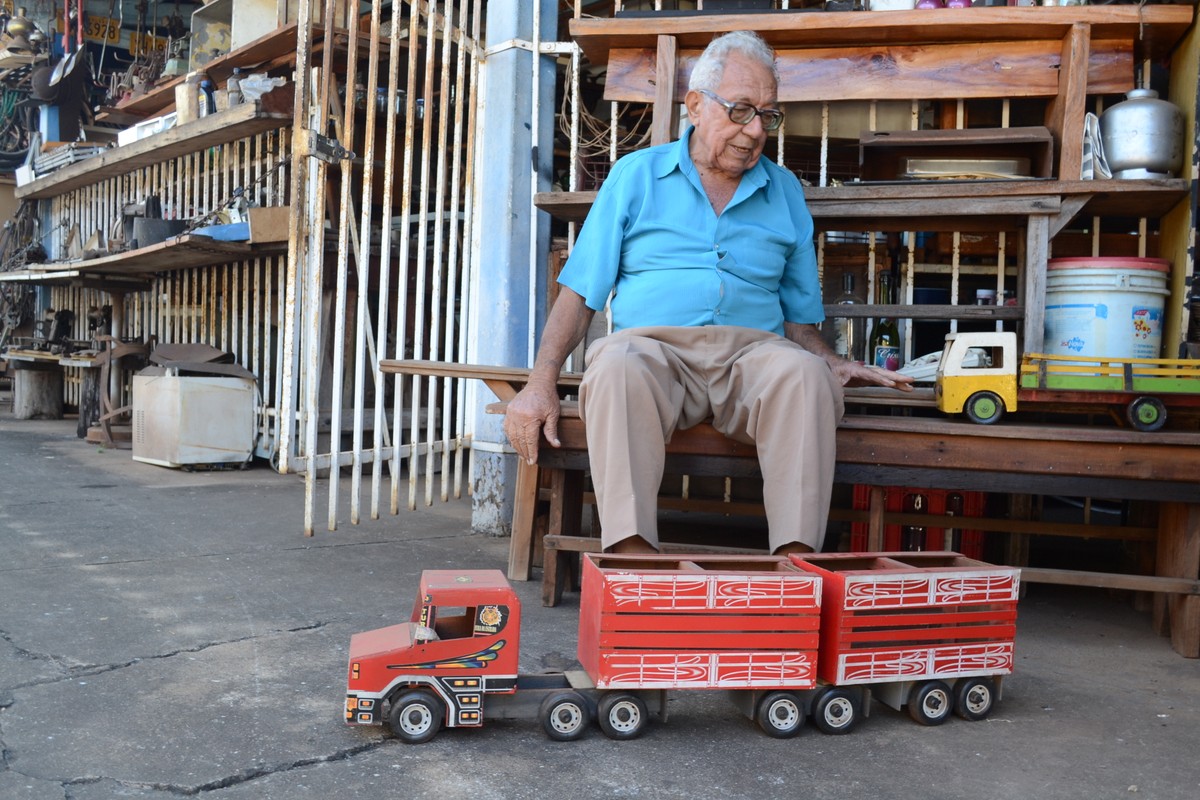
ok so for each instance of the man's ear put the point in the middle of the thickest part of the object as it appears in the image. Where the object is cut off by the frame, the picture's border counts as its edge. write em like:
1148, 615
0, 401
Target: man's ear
692, 101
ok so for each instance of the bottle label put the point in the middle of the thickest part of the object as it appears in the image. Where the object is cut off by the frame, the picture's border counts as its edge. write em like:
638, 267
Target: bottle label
886, 356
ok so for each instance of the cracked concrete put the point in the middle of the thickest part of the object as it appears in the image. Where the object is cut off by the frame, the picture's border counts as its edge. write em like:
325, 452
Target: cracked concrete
167, 634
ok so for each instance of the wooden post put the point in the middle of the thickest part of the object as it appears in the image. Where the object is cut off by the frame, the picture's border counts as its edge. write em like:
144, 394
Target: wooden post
876, 505
1064, 116
1037, 250
662, 121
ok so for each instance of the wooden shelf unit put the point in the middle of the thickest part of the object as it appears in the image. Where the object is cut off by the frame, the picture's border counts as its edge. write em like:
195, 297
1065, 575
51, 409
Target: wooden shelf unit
273, 111
1058, 54
1156, 29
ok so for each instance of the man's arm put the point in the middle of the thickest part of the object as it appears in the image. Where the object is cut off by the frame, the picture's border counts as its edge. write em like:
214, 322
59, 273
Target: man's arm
850, 373
536, 408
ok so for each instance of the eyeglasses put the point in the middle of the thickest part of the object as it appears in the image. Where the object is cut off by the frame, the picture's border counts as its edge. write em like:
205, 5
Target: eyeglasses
743, 113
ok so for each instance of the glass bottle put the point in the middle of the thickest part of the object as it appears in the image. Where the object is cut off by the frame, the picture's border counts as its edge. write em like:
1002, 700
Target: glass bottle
954, 508
884, 349
848, 334
912, 537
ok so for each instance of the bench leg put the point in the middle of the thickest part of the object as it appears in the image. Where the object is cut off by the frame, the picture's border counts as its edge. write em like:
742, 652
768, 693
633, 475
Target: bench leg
1179, 557
566, 517
525, 500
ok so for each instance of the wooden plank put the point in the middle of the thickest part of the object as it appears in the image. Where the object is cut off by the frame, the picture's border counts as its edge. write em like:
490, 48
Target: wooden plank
953, 204
178, 252
708, 640
939, 616
890, 72
273, 111
664, 121
709, 622
856, 638
1033, 278
1065, 113
520, 548
1156, 29
1108, 580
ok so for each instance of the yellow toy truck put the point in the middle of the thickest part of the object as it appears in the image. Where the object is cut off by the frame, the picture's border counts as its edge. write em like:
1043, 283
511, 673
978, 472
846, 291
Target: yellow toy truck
1142, 388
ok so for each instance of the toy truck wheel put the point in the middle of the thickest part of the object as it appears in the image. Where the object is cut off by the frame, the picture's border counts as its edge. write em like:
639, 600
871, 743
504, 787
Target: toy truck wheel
984, 408
974, 698
564, 715
416, 716
780, 714
1146, 414
835, 711
622, 716
930, 703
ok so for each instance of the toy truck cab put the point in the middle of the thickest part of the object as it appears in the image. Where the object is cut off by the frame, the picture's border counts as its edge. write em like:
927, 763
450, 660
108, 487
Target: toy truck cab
978, 375
461, 642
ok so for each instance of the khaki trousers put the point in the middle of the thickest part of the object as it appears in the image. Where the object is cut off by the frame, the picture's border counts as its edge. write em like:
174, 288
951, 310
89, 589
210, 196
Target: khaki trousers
640, 385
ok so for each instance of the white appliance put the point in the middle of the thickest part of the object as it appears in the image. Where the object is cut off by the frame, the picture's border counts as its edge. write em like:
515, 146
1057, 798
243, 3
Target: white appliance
180, 420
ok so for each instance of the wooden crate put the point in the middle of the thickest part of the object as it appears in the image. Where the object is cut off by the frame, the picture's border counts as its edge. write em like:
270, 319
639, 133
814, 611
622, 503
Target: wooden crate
913, 616
666, 622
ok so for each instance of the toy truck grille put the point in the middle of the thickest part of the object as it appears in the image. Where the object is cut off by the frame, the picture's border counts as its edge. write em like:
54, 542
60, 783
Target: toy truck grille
913, 616
701, 623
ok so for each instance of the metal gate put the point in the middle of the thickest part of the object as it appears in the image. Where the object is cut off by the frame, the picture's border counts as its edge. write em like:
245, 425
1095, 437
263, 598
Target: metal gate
379, 261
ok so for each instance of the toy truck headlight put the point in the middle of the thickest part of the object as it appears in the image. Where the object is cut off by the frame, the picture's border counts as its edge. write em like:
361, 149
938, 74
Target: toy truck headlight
354, 671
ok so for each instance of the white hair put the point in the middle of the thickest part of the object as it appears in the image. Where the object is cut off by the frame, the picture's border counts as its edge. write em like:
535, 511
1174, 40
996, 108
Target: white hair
710, 67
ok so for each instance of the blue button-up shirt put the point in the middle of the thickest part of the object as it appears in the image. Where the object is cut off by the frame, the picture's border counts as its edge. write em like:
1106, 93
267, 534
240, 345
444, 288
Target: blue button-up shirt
652, 236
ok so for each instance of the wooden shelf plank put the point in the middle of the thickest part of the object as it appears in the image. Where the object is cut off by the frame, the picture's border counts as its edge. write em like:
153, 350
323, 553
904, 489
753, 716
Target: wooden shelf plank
179, 252
936, 312
1155, 29
161, 98
247, 119
950, 202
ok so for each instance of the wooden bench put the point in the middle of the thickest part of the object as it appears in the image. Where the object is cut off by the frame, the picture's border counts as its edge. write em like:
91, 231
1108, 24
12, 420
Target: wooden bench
881, 451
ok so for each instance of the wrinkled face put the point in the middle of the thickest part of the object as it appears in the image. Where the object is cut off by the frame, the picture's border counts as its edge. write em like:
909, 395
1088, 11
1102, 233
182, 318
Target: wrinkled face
718, 143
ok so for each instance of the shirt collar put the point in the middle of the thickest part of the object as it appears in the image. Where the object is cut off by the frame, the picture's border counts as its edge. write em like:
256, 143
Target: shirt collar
679, 158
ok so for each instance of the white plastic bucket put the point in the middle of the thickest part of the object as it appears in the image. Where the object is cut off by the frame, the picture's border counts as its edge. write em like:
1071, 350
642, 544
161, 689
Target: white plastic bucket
1105, 307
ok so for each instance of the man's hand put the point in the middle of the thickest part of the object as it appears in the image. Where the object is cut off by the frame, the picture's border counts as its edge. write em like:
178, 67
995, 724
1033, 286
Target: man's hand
851, 373
535, 409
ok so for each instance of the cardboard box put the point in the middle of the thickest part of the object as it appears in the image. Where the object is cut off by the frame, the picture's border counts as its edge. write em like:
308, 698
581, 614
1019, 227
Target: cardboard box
269, 224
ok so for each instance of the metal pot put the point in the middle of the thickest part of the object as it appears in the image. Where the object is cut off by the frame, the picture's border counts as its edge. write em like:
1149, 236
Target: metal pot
1143, 136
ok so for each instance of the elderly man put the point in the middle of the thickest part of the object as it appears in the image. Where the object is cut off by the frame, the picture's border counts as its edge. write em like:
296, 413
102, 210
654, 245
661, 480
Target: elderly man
709, 250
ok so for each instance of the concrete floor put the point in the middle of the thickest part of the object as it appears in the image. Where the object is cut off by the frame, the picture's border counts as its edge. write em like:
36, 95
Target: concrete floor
168, 634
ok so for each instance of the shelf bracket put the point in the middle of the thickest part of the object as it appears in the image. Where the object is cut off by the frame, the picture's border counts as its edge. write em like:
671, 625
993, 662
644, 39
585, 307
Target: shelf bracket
1070, 207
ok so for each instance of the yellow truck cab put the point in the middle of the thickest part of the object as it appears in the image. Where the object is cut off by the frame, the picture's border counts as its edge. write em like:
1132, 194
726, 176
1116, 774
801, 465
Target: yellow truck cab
978, 375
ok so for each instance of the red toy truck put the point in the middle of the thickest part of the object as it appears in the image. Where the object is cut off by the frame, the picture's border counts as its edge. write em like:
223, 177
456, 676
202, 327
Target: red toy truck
793, 637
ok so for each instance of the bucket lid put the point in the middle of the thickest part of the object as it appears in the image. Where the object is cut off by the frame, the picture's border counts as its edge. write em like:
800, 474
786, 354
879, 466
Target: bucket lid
1110, 262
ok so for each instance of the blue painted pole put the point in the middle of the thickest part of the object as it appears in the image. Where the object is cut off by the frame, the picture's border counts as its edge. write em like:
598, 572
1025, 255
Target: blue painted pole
510, 306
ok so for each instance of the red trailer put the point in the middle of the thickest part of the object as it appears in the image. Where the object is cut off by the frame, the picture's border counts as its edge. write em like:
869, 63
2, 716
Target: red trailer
791, 638
933, 631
